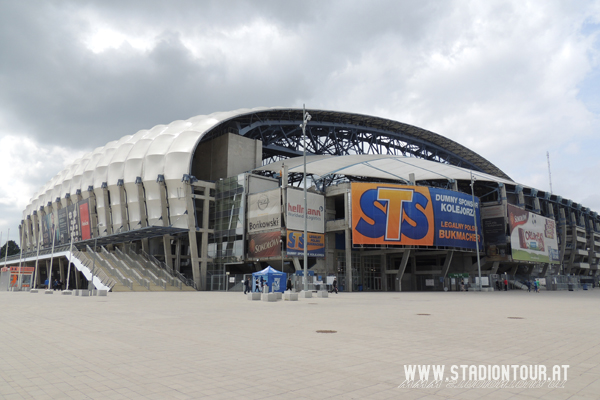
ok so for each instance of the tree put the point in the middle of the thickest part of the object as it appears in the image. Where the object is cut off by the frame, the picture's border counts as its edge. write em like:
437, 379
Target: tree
12, 249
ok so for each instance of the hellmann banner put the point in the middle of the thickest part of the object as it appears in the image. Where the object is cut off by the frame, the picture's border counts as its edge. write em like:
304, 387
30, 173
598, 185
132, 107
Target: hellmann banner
532, 237
315, 211
264, 211
413, 215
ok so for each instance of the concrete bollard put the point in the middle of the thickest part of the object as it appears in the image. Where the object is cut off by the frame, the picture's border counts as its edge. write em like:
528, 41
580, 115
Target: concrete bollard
290, 296
269, 297
254, 296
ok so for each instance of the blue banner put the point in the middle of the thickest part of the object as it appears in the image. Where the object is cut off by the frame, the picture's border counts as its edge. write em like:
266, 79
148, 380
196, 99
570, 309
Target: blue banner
454, 222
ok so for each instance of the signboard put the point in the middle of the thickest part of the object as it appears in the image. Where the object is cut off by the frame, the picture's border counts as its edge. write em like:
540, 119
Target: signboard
493, 222
458, 275
295, 244
315, 211
24, 274
73, 218
49, 228
413, 215
533, 237
428, 282
264, 211
84, 215
263, 245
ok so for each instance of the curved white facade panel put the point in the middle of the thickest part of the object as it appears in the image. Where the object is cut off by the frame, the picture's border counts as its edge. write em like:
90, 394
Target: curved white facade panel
165, 150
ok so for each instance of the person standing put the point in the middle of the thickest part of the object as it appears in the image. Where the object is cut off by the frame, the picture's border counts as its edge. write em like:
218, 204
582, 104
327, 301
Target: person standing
247, 285
528, 283
288, 285
257, 285
505, 284
334, 287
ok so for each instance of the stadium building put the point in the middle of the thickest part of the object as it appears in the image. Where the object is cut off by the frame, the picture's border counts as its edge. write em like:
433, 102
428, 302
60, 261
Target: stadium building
197, 204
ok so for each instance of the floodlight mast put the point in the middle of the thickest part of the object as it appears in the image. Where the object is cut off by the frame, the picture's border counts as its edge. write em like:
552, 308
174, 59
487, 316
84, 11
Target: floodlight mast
476, 231
305, 118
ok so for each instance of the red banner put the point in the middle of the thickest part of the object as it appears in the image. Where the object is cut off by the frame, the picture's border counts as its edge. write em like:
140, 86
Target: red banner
264, 245
84, 215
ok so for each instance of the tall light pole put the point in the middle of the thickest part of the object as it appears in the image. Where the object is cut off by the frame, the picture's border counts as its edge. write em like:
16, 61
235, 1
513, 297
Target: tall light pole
305, 118
70, 260
21, 255
51, 259
37, 259
476, 231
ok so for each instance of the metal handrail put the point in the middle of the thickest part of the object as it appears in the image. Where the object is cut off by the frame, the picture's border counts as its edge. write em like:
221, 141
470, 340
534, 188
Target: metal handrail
105, 279
114, 271
177, 274
134, 274
159, 276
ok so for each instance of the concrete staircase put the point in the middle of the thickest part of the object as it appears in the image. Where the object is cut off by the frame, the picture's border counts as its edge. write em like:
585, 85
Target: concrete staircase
133, 272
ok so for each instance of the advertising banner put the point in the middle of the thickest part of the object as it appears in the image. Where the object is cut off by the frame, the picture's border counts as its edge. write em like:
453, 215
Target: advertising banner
63, 226
295, 244
532, 237
493, 221
413, 215
263, 245
84, 215
49, 227
264, 211
315, 211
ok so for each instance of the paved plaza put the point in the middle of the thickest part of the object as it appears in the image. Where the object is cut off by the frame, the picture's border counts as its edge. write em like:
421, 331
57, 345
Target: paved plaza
190, 345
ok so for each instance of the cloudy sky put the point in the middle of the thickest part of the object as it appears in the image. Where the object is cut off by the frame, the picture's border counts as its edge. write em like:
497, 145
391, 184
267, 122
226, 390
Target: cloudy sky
508, 79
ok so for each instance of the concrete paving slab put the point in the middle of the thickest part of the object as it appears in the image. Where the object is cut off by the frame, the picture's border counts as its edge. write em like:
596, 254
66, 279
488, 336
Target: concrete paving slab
187, 345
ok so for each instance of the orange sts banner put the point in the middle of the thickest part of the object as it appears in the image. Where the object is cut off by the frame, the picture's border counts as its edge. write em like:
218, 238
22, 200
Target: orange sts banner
413, 215
391, 214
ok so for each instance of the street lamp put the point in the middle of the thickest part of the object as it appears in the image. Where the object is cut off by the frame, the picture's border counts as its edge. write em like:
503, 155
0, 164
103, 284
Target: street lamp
305, 118
476, 232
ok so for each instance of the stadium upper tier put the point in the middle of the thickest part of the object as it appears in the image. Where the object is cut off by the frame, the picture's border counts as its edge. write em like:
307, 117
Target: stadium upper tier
168, 150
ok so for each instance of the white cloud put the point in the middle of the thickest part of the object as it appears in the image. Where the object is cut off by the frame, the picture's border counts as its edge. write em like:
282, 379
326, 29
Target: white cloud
29, 166
508, 79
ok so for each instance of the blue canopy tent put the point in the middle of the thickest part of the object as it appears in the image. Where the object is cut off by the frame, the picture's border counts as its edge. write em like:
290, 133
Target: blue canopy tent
274, 279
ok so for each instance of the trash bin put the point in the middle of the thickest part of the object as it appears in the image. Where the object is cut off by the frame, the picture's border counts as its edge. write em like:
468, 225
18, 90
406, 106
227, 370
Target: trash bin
570, 285
360, 288
584, 286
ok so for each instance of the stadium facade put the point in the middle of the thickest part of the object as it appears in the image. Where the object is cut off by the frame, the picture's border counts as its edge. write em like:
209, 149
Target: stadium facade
197, 203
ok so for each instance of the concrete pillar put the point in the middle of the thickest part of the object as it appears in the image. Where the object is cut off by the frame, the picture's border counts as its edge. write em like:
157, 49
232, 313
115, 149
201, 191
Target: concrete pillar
384, 272
562, 223
93, 214
142, 205
104, 216
164, 203
536, 206
447, 263
348, 242
61, 270
199, 279
520, 197
405, 257
413, 271
168, 253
